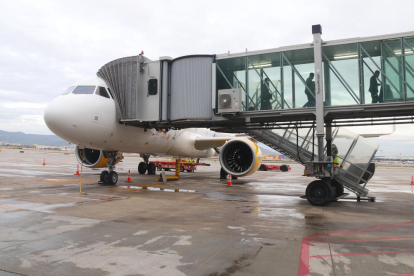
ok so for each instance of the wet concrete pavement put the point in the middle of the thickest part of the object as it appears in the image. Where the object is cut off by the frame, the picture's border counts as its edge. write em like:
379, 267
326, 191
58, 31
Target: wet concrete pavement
197, 225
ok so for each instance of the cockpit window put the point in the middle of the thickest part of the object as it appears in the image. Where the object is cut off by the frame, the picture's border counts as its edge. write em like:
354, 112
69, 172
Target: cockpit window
84, 90
67, 91
101, 91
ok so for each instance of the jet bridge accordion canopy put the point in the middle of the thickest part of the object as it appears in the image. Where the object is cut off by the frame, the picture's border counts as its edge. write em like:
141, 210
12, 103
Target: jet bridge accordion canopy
163, 90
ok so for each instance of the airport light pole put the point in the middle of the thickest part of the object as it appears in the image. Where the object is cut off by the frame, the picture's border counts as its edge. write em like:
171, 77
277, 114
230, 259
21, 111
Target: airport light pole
320, 118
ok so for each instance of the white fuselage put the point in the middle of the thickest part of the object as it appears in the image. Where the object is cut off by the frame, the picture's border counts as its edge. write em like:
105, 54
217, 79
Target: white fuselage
89, 120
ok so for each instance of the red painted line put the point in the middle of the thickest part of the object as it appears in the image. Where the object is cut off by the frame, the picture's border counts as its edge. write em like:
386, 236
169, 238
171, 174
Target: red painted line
359, 254
371, 228
304, 258
400, 238
409, 274
304, 254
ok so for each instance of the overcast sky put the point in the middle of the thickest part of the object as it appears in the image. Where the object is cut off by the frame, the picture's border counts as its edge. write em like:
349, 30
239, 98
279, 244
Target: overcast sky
47, 45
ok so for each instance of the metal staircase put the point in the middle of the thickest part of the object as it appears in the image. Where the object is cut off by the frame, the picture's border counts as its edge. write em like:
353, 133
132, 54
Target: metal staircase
357, 153
286, 142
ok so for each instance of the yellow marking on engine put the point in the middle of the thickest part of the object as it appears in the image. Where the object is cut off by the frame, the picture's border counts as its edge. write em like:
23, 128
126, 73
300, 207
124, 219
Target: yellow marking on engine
8, 208
68, 181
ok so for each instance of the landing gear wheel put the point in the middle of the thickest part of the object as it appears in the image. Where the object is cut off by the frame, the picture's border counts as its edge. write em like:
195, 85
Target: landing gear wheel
106, 178
159, 168
318, 193
142, 167
151, 168
113, 178
284, 168
339, 188
181, 169
223, 174
104, 174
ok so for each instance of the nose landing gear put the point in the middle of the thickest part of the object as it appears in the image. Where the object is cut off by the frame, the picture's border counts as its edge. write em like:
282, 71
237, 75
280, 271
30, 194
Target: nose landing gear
110, 177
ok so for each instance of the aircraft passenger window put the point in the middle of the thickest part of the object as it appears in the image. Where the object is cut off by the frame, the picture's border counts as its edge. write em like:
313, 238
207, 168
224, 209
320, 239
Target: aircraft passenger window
152, 87
84, 90
101, 91
67, 91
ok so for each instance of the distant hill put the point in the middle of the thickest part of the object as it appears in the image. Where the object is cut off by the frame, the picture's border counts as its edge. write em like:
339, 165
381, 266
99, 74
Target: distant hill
29, 139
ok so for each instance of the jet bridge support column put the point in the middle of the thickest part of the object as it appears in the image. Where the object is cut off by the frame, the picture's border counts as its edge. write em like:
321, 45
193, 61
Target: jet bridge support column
317, 50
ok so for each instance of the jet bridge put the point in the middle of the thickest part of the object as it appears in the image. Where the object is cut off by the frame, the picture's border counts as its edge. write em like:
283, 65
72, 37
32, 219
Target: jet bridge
277, 94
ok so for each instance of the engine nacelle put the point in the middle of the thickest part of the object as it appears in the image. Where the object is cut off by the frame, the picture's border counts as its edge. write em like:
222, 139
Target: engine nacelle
240, 157
93, 158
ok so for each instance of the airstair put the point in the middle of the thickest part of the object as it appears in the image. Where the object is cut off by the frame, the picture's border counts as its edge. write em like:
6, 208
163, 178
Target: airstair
355, 153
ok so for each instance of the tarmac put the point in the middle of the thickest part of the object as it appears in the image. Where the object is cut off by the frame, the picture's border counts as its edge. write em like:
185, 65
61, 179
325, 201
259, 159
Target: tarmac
197, 225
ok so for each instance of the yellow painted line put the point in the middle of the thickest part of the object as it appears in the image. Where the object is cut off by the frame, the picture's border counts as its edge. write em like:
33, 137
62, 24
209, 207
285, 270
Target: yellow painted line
70, 181
8, 208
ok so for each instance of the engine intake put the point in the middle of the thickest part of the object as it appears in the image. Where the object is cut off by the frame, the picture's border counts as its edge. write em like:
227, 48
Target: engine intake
240, 157
93, 158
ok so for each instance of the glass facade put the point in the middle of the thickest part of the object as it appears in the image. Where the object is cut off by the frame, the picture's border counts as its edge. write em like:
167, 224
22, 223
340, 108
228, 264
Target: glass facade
285, 79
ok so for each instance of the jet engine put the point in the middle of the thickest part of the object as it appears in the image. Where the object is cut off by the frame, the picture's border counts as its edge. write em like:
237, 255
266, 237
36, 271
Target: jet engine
240, 157
93, 158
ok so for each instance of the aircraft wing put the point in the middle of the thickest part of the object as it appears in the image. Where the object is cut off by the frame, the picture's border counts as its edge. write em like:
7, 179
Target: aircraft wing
203, 143
379, 134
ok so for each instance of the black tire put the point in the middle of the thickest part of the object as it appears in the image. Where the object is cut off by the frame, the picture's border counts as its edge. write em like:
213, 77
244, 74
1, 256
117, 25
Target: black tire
167, 170
262, 168
318, 193
284, 168
339, 188
181, 169
103, 175
151, 168
113, 178
223, 174
106, 178
159, 168
142, 168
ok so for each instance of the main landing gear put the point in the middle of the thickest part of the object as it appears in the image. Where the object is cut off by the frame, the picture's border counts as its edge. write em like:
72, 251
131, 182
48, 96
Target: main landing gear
223, 175
146, 166
110, 177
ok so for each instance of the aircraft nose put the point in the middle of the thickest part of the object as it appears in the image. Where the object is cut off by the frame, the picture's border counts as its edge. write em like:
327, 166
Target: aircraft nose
55, 116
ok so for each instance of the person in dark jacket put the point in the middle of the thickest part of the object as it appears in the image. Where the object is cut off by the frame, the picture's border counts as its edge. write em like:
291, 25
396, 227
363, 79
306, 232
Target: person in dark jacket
373, 87
311, 95
266, 96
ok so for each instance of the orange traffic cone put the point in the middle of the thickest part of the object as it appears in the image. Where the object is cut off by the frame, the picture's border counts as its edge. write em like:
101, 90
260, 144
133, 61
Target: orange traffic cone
412, 180
77, 170
44, 162
229, 180
129, 177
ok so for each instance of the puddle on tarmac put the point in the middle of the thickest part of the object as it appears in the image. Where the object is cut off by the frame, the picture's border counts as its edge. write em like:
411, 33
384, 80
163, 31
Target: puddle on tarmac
158, 189
252, 198
38, 207
27, 173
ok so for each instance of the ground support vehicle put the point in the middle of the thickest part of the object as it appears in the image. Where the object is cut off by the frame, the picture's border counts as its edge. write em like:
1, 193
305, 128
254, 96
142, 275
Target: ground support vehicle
269, 167
184, 165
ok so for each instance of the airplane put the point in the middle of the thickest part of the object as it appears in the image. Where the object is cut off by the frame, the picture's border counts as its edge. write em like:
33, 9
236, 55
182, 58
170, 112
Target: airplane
85, 115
